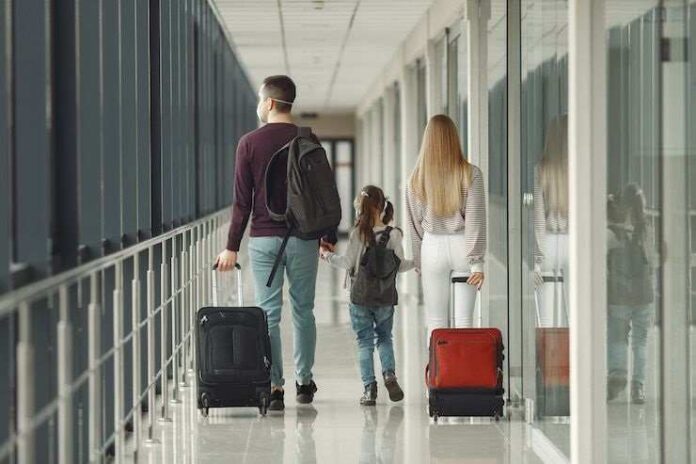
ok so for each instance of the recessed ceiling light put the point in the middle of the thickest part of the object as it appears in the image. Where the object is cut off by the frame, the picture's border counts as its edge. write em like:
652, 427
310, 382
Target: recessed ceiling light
318, 4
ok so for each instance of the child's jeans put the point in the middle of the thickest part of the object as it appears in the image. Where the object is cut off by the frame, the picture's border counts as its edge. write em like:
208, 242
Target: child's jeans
373, 324
622, 321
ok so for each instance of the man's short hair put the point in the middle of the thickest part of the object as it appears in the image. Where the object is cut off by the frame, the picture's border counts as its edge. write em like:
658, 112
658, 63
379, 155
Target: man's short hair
280, 88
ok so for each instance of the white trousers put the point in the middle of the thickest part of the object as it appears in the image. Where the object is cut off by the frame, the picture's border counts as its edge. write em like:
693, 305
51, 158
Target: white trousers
552, 298
440, 255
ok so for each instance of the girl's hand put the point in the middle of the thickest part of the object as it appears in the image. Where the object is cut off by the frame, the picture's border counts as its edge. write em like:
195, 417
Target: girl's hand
476, 279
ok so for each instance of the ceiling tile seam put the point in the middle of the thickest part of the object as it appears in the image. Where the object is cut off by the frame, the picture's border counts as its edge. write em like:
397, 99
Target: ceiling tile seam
334, 76
283, 38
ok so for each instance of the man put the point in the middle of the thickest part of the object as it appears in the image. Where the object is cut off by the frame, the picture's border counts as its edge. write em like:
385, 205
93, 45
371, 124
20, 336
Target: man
300, 262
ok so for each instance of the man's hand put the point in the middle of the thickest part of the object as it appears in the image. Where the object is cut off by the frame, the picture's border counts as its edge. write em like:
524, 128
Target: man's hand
476, 279
226, 260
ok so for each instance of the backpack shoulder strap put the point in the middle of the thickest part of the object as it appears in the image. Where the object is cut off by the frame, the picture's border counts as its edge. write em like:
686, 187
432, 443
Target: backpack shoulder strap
275, 215
304, 131
384, 237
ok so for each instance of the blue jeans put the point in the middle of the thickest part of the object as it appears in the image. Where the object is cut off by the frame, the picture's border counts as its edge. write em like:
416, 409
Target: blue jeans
300, 264
622, 321
370, 325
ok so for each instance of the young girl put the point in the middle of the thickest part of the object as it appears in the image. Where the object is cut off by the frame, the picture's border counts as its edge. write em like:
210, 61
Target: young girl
374, 213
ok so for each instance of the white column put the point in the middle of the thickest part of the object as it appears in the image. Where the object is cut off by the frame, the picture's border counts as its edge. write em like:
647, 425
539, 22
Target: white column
476, 64
587, 217
389, 154
409, 155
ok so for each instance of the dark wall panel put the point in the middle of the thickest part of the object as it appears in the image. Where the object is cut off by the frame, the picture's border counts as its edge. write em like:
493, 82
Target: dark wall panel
111, 127
32, 155
142, 95
129, 121
89, 129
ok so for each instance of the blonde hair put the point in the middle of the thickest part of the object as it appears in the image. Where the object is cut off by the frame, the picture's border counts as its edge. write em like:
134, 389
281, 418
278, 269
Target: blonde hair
553, 168
441, 169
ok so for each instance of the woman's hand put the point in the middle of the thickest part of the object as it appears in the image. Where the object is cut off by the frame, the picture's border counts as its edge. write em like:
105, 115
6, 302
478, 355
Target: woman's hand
476, 279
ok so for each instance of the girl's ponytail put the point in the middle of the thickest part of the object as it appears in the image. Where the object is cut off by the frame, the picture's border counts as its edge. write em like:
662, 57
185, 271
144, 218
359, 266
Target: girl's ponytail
369, 204
388, 215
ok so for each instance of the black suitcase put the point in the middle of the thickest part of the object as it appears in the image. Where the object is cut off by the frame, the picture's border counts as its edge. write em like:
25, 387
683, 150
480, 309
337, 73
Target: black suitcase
233, 355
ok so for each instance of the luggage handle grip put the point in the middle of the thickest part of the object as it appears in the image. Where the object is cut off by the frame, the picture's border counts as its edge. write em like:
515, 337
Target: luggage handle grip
240, 292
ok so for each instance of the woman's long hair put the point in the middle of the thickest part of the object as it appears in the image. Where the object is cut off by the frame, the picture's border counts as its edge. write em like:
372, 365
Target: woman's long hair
553, 168
441, 170
371, 200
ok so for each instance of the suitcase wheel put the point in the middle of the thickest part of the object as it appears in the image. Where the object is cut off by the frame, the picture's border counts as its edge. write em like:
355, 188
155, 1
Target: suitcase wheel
205, 404
263, 404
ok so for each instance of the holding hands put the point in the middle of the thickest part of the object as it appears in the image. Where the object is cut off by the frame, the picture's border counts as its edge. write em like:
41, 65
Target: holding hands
326, 248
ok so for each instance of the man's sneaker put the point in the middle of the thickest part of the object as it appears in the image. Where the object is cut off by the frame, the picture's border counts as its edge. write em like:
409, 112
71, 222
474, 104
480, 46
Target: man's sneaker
369, 397
637, 393
392, 386
615, 386
277, 400
305, 393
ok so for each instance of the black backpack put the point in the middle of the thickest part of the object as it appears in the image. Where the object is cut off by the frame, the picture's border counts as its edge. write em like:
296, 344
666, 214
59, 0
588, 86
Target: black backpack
313, 206
375, 280
629, 275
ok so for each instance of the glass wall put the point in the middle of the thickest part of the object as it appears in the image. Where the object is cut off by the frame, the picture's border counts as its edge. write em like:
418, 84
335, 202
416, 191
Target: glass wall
634, 215
497, 278
544, 181
457, 80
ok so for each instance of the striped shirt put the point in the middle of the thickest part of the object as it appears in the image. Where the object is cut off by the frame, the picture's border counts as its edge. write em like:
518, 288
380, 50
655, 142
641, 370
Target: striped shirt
470, 221
545, 222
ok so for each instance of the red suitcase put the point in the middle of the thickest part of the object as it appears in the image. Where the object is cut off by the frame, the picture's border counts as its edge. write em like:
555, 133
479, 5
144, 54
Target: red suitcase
553, 354
465, 372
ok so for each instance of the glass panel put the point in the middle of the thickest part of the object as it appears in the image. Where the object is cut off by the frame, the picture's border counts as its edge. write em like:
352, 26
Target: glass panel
544, 181
462, 88
497, 278
691, 213
633, 227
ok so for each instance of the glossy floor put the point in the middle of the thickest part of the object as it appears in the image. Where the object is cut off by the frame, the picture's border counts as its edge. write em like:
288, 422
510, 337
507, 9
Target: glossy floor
336, 429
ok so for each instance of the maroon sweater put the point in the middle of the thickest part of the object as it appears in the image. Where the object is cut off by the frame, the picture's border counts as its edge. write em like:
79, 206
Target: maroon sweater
254, 152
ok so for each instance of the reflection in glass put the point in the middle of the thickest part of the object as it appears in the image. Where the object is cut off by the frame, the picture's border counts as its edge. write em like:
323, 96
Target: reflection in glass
634, 210
630, 292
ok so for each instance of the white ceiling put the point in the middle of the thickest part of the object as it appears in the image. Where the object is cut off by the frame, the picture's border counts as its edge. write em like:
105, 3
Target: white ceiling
333, 49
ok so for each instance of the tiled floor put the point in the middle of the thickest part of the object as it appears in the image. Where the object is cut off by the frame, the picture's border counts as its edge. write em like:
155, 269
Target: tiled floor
335, 429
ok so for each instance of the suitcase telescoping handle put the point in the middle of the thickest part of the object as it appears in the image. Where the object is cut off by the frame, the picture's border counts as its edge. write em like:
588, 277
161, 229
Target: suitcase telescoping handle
240, 287
552, 278
460, 277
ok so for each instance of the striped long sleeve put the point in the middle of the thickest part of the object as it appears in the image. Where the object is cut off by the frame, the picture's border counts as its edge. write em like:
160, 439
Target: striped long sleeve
469, 221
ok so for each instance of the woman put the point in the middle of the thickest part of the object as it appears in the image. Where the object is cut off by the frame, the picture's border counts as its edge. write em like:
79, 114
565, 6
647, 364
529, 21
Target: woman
447, 218
551, 223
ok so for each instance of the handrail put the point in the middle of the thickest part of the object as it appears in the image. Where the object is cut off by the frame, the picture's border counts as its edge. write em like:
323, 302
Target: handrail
184, 286
34, 291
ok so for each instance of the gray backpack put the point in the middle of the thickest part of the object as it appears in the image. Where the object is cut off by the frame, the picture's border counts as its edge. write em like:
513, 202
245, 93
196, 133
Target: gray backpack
629, 275
375, 280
